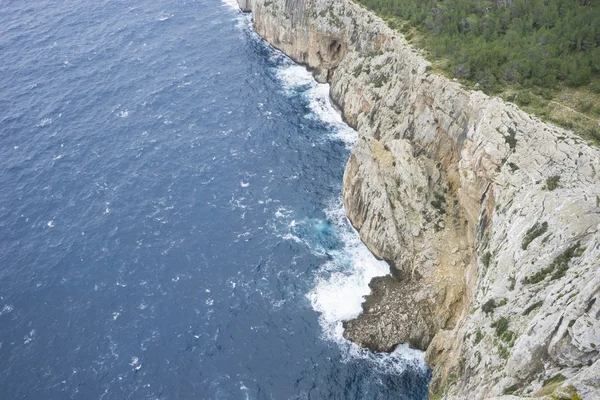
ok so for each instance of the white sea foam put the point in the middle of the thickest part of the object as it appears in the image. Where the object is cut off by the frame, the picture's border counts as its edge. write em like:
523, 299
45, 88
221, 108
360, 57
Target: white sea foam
29, 337
45, 122
135, 363
244, 21
231, 4
295, 77
339, 291
7, 309
341, 283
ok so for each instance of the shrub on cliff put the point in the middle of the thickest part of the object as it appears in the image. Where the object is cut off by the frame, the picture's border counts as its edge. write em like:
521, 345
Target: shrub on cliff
489, 306
534, 232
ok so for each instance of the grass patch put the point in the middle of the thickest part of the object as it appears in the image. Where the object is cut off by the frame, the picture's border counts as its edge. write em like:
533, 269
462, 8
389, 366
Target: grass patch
550, 385
558, 378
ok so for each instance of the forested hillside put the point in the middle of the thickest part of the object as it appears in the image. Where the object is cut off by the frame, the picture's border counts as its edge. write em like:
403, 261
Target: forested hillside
539, 45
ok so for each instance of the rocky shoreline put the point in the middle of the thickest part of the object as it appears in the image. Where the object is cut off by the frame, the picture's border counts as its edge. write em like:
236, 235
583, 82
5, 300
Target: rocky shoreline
488, 216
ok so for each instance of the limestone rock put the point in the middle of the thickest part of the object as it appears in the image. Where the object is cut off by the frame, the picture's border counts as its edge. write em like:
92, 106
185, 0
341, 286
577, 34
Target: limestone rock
488, 216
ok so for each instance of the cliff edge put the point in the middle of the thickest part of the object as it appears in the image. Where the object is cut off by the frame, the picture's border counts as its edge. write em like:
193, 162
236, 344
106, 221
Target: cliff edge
487, 216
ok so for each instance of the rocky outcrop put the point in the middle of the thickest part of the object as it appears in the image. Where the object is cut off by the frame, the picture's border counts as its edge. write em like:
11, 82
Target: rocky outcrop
488, 216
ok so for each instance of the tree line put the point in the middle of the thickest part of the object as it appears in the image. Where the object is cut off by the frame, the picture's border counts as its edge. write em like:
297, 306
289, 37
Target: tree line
532, 43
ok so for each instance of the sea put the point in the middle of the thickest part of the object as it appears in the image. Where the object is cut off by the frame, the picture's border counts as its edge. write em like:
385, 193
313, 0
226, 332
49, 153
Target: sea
171, 223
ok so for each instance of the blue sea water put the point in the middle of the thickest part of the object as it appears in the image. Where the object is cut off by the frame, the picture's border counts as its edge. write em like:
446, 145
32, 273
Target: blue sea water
170, 213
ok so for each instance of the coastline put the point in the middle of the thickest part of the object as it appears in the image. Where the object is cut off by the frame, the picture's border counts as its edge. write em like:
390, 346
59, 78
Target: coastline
444, 184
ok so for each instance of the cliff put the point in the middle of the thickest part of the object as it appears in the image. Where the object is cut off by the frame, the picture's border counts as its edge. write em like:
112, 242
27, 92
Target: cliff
488, 216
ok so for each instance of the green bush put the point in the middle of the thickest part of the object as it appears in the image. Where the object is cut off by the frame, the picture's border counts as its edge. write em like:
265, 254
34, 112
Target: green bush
552, 182
535, 231
357, 71
511, 389
478, 336
523, 98
559, 266
487, 258
594, 133
380, 81
511, 139
538, 276
489, 306
501, 326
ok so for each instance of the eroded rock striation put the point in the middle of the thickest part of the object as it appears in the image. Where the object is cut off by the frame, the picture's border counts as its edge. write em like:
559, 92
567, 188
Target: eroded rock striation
487, 216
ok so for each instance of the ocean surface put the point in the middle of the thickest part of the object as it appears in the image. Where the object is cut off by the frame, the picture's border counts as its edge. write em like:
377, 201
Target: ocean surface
170, 213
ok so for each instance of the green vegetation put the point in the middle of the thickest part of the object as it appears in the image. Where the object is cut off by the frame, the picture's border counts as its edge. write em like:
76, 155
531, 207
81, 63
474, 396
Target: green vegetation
489, 306
532, 307
478, 336
511, 138
552, 182
559, 266
334, 18
561, 263
380, 81
439, 203
503, 351
538, 276
487, 258
511, 389
550, 386
501, 325
534, 232
542, 54
555, 379
506, 335
572, 392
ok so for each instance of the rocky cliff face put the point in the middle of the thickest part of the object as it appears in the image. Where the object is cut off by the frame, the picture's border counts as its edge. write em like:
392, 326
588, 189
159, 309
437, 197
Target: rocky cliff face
488, 217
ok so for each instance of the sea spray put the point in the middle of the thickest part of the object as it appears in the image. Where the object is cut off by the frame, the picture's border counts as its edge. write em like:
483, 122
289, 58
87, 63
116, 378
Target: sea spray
342, 282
